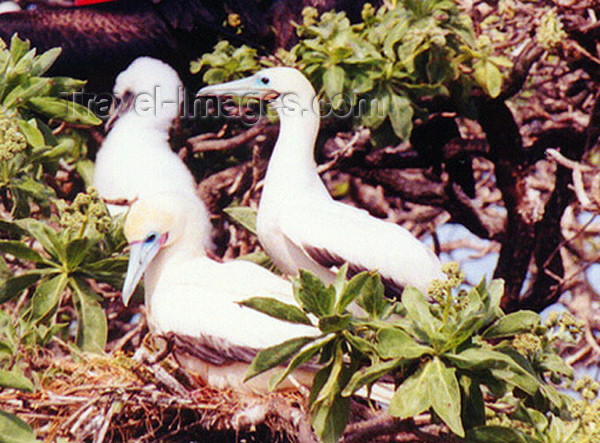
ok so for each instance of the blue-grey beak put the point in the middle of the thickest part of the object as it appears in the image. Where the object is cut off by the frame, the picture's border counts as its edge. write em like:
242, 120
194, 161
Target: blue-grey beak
240, 88
140, 256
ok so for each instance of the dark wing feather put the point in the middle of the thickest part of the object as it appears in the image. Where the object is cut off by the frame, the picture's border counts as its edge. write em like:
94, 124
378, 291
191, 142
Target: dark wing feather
213, 350
328, 259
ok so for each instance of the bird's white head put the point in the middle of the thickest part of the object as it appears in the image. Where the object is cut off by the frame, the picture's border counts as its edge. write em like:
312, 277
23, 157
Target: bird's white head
151, 89
286, 88
157, 223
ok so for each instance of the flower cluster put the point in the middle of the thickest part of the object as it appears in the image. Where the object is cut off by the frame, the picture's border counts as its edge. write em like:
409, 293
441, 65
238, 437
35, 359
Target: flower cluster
86, 210
587, 410
442, 291
550, 32
12, 141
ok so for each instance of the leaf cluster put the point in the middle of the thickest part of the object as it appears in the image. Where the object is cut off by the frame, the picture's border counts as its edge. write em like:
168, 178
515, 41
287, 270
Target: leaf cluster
84, 245
380, 70
30, 104
446, 354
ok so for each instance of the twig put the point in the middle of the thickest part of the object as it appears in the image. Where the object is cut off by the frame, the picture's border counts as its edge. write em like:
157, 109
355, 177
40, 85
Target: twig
343, 152
577, 169
201, 144
591, 340
382, 425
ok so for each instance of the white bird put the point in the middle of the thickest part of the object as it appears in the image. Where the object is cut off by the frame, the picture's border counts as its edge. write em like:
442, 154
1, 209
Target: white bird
298, 223
189, 294
135, 158
9, 7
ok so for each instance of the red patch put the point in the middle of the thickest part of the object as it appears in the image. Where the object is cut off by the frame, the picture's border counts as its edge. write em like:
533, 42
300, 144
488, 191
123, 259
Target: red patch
90, 2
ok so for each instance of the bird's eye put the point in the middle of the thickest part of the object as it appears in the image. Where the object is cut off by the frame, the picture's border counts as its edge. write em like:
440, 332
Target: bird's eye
264, 80
150, 238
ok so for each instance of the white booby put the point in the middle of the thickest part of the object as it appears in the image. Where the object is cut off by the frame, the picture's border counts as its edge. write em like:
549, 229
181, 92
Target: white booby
9, 7
195, 297
299, 224
135, 158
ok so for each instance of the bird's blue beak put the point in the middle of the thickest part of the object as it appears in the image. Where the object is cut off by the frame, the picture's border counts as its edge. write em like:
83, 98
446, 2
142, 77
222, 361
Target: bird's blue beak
246, 87
140, 256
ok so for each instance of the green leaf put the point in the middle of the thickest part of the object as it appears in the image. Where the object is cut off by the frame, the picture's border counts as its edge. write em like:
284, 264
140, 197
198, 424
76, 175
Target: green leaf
15, 379
329, 409
334, 323
472, 404
352, 290
244, 216
14, 430
109, 270
275, 356
312, 295
512, 324
418, 311
401, 113
555, 364
20, 251
333, 83
65, 110
47, 237
277, 309
47, 295
305, 355
32, 188
33, 135
76, 251
498, 434
329, 420
488, 77
45, 61
395, 343
14, 286
372, 296
369, 375
465, 330
491, 295
433, 385
412, 397
444, 395
18, 47
26, 90
92, 328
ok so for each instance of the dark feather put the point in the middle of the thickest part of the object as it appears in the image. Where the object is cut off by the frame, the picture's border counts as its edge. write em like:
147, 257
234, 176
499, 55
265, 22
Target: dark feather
213, 350
101, 40
329, 260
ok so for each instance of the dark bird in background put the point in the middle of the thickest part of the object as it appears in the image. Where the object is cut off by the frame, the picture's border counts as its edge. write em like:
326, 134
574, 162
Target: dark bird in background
100, 40
429, 140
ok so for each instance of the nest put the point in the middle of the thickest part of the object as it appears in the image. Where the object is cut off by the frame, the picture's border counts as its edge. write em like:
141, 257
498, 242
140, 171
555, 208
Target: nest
96, 398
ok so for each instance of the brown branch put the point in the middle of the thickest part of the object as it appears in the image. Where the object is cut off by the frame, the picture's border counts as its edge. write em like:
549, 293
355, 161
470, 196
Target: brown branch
530, 54
200, 143
385, 425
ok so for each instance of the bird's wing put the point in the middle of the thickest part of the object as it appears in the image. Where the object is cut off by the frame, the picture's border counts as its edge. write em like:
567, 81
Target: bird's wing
214, 350
332, 233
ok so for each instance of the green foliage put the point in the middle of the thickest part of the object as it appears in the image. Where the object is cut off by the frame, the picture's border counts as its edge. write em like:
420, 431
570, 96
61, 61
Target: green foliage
29, 104
445, 352
14, 430
84, 246
382, 67
226, 62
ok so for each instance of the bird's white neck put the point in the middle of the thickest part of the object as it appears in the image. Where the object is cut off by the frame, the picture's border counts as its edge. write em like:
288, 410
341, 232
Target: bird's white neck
292, 163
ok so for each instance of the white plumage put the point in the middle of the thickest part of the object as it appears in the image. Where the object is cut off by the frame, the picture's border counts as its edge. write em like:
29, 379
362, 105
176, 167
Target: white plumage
189, 294
9, 7
299, 224
136, 159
